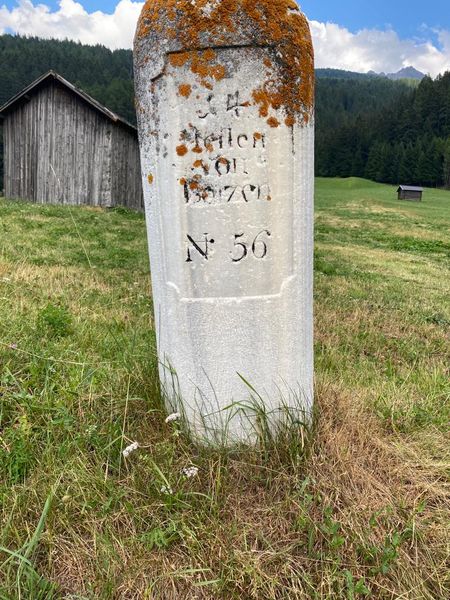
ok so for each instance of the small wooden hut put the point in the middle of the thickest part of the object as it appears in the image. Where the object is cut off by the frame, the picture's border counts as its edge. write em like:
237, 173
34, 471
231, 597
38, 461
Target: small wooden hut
410, 192
62, 146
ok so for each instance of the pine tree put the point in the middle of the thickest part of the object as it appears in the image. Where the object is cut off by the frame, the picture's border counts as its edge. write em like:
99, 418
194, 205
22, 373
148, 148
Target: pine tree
407, 166
375, 161
446, 164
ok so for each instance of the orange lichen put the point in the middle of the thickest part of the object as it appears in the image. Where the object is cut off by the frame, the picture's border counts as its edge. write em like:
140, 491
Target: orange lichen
201, 66
172, 34
257, 136
150, 178
209, 54
197, 149
183, 181
182, 150
218, 72
273, 122
178, 59
200, 164
171, 13
185, 90
276, 24
263, 99
289, 121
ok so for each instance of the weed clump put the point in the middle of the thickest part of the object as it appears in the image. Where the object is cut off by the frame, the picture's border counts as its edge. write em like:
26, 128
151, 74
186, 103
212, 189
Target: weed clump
55, 321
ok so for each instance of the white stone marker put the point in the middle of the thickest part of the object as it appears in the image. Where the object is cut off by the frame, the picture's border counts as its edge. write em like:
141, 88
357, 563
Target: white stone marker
225, 110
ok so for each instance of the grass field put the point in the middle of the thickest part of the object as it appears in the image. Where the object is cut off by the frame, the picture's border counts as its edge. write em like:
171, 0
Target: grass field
358, 508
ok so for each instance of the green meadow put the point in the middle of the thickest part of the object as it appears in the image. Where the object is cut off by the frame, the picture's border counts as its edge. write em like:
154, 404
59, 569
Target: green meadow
356, 507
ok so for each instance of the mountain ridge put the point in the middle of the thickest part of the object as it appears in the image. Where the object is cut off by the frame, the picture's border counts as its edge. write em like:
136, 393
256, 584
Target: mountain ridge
404, 73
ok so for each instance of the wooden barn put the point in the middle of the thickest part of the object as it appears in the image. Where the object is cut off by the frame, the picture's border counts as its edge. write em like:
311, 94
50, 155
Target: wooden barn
62, 146
410, 192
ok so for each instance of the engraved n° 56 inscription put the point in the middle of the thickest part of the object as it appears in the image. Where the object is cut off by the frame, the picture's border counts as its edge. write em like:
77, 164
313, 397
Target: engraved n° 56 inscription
242, 247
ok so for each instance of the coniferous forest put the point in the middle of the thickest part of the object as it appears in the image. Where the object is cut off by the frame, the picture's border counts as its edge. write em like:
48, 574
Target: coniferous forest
366, 126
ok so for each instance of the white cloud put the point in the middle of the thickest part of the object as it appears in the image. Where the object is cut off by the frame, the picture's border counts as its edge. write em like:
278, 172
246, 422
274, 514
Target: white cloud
371, 49
336, 46
72, 21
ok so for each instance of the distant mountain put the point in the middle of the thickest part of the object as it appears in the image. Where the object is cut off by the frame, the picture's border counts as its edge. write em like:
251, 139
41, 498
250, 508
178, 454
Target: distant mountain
405, 73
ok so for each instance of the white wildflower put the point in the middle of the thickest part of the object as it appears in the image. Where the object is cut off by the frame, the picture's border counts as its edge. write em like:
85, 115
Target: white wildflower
129, 449
190, 472
172, 418
167, 490
91, 430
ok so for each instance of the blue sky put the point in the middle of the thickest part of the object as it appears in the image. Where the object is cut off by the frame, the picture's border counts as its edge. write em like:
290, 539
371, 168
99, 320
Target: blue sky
404, 16
379, 35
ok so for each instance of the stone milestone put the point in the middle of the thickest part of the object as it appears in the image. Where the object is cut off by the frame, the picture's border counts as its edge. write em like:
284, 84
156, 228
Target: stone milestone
224, 98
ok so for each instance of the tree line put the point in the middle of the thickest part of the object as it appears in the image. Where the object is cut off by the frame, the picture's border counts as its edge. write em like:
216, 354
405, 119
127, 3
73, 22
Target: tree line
391, 132
366, 126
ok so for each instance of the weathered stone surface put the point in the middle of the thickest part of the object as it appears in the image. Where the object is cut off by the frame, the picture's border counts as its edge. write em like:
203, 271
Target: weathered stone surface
225, 109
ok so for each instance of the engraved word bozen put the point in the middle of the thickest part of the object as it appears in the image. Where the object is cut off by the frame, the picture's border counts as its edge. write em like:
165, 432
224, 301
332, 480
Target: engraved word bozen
228, 184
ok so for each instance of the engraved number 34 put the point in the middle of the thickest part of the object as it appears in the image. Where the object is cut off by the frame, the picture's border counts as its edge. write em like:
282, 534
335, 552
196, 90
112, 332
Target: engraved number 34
258, 247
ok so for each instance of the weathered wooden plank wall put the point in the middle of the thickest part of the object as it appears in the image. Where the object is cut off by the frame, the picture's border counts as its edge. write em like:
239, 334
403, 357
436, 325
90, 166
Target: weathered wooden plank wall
59, 150
126, 169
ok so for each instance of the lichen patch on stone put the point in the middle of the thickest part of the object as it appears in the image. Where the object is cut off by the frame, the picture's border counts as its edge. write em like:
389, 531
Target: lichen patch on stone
182, 150
276, 24
185, 90
178, 59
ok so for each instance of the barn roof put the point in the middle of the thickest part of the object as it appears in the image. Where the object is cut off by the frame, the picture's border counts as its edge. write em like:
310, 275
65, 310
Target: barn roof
409, 188
43, 80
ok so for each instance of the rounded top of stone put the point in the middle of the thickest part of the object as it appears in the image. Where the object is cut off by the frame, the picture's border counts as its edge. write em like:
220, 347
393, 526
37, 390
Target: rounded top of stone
171, 27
